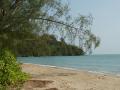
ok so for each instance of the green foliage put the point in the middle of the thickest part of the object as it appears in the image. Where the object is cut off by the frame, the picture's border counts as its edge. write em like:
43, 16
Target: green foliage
11, 75
21, 19
46, 45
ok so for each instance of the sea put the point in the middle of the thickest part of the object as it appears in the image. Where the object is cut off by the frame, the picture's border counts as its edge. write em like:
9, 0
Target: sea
104, 64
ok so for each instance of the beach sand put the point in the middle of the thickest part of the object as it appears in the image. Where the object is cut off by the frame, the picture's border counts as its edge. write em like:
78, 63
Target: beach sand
53, 78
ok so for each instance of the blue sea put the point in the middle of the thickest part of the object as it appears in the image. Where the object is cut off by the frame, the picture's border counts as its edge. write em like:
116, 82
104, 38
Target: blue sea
109, 64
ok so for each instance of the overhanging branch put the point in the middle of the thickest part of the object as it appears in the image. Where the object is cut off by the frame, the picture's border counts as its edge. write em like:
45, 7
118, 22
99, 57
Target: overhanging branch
54, 21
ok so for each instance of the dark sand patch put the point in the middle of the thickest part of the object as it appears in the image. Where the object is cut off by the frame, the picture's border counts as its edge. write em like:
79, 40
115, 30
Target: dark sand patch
36, 84
52, 89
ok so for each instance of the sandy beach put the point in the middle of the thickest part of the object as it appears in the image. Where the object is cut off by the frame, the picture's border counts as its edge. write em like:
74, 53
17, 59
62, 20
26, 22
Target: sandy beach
53, 78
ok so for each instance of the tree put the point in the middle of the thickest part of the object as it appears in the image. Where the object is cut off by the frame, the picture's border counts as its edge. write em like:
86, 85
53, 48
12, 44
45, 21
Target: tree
87, 40
20, 19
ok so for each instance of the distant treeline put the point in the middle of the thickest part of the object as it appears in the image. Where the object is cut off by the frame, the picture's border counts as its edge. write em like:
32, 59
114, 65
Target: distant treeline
46, 45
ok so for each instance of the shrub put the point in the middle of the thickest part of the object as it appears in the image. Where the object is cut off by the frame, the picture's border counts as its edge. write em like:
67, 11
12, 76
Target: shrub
11, 75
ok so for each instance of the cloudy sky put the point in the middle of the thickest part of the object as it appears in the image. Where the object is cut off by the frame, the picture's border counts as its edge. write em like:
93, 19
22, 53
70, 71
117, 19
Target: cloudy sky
106, 23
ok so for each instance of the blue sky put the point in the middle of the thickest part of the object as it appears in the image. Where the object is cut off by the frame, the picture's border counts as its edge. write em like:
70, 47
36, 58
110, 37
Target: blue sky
106, 23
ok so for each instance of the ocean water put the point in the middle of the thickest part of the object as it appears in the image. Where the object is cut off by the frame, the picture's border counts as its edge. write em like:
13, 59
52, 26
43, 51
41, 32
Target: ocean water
109, 64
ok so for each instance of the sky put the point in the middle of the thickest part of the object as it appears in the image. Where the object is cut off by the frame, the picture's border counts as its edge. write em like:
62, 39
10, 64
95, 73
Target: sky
106, 22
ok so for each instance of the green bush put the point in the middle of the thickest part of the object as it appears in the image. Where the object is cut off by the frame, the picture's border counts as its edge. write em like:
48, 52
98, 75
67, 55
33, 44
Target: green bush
11, 75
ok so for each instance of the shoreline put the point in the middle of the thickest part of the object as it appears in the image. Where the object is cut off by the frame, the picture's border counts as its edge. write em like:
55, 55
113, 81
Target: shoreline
54, 78
78, 70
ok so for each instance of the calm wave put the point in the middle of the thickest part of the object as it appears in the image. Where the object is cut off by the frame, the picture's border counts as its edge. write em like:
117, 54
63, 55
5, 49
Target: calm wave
95, 63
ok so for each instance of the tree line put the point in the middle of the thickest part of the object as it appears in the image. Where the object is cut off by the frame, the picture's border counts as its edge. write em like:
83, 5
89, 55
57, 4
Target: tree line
46, 45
